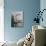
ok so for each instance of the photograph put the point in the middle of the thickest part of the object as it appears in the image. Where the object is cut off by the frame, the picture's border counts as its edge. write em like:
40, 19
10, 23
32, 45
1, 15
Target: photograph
17, 19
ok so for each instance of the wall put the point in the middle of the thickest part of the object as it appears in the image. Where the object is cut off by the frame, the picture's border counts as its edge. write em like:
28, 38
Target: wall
1, 24
43, 6
1, 21
29, 7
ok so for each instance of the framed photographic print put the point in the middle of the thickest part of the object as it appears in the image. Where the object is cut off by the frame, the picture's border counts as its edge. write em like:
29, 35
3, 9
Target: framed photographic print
17, 19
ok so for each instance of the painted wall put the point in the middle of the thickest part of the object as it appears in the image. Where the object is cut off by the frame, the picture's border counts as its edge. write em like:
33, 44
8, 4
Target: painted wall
29, 7
43, 6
